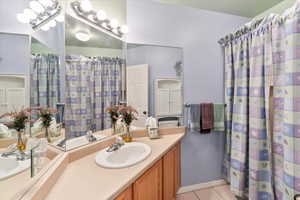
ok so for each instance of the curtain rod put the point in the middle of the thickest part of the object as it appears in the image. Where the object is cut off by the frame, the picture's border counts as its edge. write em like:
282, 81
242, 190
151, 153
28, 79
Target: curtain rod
255, 24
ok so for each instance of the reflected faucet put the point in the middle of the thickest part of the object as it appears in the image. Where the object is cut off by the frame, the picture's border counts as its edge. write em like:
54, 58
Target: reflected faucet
13, 151
90, 137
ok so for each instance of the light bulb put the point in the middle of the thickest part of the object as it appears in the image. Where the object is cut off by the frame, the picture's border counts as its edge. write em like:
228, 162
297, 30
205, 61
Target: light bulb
114, 23
46, 27
23, 18
124, 29
60, 18
86, 5
104, 24
101, 15
115, 31
82, 36
29, 13
91, 17
46, 3
36, 6
52, 23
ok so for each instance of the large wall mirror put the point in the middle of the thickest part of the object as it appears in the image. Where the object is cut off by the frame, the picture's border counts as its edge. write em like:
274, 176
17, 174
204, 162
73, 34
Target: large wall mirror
95, 69
31, 79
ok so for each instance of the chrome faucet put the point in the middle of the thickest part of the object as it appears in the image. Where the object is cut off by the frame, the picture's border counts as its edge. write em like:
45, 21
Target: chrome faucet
90, 137
117, 145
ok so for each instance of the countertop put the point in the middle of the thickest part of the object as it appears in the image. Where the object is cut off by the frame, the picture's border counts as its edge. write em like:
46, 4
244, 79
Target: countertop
84, 179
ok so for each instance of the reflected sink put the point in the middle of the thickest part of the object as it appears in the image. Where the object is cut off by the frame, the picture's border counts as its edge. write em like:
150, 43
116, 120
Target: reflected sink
128, 155
10, 166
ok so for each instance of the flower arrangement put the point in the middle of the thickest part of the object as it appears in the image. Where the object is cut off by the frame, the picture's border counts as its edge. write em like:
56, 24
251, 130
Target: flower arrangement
18, 122
128, 114
46, 114
113, 111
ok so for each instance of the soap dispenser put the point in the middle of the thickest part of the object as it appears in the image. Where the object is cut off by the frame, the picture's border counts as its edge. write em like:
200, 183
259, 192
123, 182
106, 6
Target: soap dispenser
152, 128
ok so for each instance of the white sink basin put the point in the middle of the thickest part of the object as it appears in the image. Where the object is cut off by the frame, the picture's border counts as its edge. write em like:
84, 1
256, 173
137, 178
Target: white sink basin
128, 155
10, 166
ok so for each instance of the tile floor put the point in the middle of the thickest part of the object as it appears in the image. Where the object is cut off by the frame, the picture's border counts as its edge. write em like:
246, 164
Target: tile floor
214, 193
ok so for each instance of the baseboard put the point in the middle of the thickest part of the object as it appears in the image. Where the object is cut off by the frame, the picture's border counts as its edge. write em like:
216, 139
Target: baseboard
190, 188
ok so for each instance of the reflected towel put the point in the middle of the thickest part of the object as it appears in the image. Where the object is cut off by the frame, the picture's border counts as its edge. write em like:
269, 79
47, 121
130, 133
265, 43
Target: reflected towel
219, 117
207, 117
195, 117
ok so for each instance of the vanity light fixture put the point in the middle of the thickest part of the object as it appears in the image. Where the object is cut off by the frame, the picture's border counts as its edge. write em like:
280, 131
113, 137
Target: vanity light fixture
42, 14
86, 5
83, 36
84, 10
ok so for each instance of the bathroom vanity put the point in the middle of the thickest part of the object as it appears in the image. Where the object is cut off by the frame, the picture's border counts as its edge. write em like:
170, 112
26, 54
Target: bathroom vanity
77, 176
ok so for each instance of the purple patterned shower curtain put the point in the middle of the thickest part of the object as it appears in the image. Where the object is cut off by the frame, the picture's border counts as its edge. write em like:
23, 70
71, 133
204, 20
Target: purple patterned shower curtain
92, 84
262, 160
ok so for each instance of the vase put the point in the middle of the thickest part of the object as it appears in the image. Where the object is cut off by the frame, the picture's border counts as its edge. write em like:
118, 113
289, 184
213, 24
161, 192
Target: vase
47, 135
114, 129
20, 142
127, 136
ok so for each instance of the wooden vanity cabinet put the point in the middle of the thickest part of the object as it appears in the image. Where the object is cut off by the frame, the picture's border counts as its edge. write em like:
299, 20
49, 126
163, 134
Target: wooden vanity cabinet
126, 195
171, 173
177, 166
149, 185
160, 182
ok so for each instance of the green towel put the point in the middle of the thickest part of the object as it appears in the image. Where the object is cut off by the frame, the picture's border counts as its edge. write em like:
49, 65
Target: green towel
219, 117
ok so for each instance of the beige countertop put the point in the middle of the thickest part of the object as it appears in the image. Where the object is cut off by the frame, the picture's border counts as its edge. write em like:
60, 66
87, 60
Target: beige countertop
84, 179
12, 185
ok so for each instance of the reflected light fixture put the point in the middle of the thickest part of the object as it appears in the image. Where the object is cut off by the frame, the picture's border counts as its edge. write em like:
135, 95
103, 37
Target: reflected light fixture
36, 6
30, 14
84, 10
23, 18
101, 15
124, 29
114, 23
46, 3
41, 14
83, 36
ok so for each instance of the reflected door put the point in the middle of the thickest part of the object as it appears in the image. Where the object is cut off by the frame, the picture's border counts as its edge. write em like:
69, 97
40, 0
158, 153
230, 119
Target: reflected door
137, 91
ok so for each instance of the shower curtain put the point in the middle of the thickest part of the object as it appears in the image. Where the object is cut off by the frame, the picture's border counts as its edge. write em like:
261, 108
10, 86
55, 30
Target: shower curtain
45, 80
262, 93
92, 84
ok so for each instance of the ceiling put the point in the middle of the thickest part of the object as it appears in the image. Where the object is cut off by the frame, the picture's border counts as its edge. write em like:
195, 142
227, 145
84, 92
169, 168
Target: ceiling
98, 39
245, 8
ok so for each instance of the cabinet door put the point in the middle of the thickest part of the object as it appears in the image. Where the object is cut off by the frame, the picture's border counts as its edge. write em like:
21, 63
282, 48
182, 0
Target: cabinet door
175, 102
163, 102
149, 185
126, 195
169, 175
177, 167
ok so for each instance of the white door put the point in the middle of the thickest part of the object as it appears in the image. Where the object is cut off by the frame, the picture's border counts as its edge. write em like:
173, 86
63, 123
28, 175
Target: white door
137, 91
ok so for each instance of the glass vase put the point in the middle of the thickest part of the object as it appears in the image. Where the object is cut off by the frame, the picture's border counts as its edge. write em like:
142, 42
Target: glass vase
47, 135
20, 141
114, 129
127, 136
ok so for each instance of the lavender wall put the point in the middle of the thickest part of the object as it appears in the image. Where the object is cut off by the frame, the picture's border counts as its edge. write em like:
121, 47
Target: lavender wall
197, 31
14, 54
